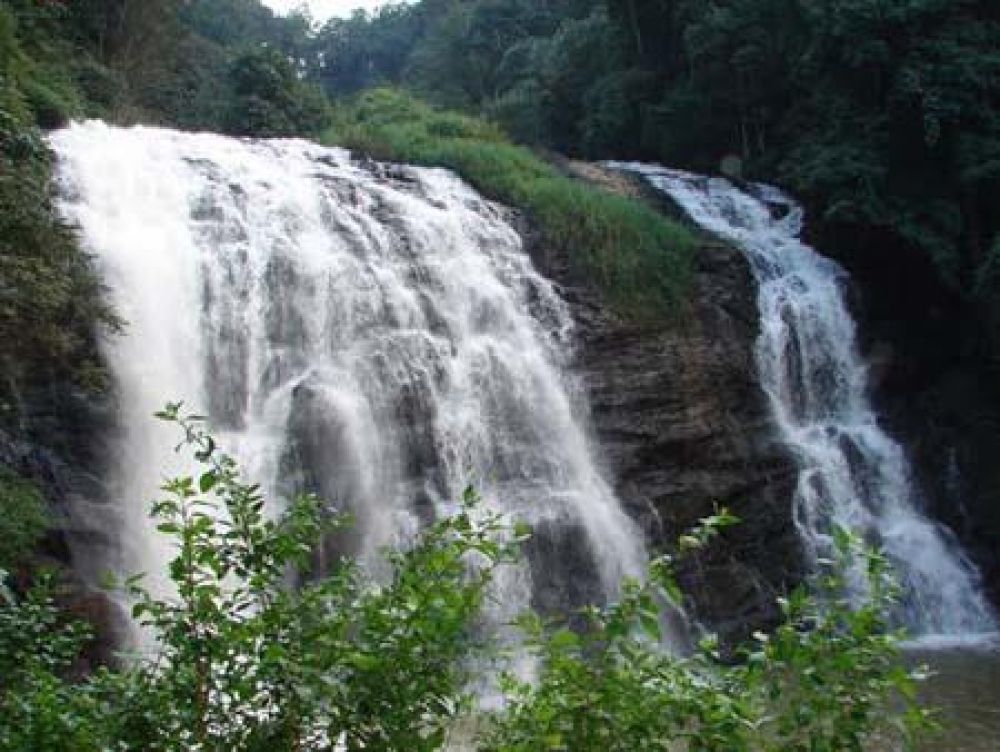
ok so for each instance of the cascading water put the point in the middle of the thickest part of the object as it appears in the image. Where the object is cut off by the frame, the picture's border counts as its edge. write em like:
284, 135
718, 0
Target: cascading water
375, 334
852, 474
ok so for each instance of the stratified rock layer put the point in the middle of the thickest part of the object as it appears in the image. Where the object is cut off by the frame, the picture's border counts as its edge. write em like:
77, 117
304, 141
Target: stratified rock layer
685, 428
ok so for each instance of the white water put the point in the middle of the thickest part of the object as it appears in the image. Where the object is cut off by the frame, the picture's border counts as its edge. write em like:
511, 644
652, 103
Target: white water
374, 334
852, 474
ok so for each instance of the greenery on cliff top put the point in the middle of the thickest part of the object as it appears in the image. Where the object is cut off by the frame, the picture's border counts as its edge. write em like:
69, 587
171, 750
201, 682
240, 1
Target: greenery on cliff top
883, 115
168, 62
50, 298
246, 663
641, 259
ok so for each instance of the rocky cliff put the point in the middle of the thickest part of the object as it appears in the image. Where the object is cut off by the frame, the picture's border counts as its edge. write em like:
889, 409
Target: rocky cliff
57, 444
935, 385
684, 427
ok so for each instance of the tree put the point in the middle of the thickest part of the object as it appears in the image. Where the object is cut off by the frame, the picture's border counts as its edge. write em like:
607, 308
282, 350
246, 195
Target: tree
253, 659
270, 100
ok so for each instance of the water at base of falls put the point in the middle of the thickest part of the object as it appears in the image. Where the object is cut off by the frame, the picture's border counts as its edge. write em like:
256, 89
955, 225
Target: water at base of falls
375, 334
852, 474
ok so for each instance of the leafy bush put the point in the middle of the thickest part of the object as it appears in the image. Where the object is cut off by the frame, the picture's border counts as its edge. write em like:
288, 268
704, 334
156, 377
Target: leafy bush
639, 258
52, 96
39, 709
825, 681
248, 662
521, 110
50, 298
51, 301
825, 678
269, 100
23, 519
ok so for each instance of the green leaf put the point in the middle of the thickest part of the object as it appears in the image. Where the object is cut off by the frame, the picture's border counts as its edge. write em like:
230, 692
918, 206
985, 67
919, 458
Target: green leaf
207, 481
522, 531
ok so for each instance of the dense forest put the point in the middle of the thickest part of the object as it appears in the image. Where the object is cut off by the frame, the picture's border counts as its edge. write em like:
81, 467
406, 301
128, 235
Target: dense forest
882, 115
167, 62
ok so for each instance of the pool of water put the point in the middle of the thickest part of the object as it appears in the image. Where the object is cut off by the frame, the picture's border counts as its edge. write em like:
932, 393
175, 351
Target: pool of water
965, 691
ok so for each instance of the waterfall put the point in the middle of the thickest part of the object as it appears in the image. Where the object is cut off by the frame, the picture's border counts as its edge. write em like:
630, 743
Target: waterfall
373, 333
851, 473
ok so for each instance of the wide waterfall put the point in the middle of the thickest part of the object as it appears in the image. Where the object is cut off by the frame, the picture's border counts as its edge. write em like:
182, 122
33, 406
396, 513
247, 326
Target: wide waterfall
375, 334
852, 474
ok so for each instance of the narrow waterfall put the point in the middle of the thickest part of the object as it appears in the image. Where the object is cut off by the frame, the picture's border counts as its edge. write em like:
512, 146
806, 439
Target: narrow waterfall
372, 333
852, 474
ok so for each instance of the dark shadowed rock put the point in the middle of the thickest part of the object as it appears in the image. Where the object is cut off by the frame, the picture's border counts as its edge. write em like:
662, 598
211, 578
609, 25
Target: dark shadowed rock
563, 571
59, 444
684, 427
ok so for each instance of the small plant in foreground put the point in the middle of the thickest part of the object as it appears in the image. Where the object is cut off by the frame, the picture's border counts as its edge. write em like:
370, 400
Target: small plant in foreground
248, 661
831, 675
827, 680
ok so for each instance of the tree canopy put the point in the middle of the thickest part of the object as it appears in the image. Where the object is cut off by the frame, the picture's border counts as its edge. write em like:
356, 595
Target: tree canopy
883, 115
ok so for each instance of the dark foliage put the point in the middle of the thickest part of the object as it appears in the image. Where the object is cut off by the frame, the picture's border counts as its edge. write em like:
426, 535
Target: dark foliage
883, 116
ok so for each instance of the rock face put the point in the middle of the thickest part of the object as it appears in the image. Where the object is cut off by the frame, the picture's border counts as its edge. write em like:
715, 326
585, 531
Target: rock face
951, 427
934, 378
56, 446
684, 427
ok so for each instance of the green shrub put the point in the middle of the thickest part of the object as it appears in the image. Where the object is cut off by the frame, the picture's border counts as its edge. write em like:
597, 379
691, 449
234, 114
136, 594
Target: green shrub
269, 99
23, 518
827, 680
39, 709
247, 662
52, 96
640, 259
103, 88
51, 300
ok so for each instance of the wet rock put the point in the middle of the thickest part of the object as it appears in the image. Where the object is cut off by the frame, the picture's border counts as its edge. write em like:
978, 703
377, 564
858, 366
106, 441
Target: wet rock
55, 444
563, 573
108, 620
684, 427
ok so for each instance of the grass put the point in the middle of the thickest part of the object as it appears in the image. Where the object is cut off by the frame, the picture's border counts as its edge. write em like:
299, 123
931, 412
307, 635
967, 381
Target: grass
639, 258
